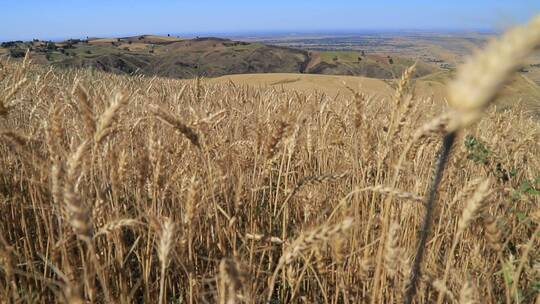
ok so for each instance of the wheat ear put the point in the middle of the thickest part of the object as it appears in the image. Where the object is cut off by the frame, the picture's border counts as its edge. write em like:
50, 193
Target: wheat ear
85, 107
78, 214
392, 250
106, 119
164, 250
176, 123
480, 79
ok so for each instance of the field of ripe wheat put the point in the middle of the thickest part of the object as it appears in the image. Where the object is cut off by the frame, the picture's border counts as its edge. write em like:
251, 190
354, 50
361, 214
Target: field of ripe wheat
121, 189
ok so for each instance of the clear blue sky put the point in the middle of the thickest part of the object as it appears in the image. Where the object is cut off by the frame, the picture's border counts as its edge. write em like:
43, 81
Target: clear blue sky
48, 19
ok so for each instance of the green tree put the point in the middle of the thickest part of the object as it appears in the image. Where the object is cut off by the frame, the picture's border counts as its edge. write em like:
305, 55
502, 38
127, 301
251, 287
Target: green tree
16, 53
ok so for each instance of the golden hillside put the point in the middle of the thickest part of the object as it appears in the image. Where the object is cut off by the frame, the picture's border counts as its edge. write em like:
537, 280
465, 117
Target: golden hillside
520, 90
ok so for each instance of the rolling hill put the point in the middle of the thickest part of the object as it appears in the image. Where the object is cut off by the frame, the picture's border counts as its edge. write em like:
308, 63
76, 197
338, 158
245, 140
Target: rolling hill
210, 57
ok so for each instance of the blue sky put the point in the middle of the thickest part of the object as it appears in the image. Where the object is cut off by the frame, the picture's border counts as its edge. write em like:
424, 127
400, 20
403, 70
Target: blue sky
27, 19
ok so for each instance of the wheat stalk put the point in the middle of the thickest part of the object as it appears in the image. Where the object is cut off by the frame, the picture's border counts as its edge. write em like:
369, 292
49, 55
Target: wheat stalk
115, 225
229, 281
164, 250
79, 216
467, 294
4, 107
493, 233
309, 180
177, 124
471, 209
308, 241
264, 238
103, 127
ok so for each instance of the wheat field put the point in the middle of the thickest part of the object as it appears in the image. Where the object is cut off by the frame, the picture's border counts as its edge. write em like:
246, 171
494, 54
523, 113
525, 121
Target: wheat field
118, 189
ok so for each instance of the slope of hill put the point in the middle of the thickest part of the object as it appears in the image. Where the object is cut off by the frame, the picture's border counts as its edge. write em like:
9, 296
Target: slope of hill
217, 57
358, 63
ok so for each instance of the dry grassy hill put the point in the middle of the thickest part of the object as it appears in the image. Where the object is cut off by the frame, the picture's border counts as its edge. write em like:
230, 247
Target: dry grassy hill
216, 57
210, 57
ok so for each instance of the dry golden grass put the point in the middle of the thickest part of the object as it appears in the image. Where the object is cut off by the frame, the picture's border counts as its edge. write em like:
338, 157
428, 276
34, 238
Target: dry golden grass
135, 46
127, 189
307, 83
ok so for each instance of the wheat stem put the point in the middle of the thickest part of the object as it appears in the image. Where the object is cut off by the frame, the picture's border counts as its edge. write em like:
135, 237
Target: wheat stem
426, 223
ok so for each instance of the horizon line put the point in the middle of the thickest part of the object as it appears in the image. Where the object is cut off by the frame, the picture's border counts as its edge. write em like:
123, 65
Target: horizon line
267, 33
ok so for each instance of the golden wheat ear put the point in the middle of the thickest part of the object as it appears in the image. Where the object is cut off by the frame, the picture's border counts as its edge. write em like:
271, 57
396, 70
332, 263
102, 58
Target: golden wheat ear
166, 243
481, 78
177, 124
104, 124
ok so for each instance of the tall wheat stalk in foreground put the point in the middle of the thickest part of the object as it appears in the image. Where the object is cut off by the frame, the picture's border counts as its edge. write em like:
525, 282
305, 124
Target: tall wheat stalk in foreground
477, 83
197, 191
